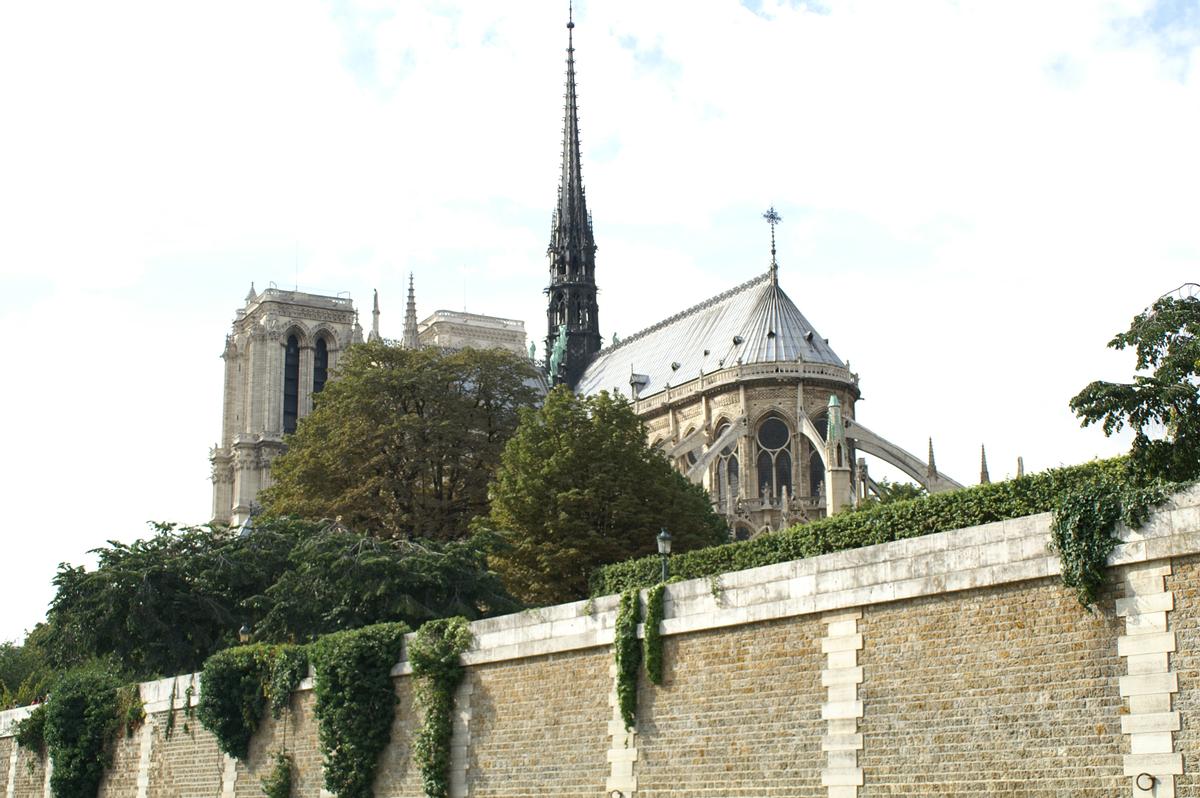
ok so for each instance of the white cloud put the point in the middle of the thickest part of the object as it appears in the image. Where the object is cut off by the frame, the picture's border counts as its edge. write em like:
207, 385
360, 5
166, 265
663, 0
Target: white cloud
975, 198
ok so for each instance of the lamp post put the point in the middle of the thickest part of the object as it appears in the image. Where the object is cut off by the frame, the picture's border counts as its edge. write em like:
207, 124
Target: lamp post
664, 549
244, 634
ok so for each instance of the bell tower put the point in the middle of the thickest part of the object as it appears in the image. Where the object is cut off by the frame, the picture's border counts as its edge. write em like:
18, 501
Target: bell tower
572, 314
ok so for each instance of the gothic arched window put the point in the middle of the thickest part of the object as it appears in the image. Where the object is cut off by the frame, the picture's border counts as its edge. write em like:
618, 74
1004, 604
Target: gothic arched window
774, 458
291, 383
320, 364
727, 469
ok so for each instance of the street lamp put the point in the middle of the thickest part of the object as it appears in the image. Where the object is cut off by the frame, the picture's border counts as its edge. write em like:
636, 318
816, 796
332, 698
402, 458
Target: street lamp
244, 634
664, 549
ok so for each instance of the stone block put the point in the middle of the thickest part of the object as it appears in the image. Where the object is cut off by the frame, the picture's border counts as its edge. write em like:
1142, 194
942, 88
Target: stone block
832, 676
841, 742
1145, 644
1148, 684
1154, 602
1146, 623
1150, 742
841, 710
1154, 764
835, 777
847, 643
1146, 663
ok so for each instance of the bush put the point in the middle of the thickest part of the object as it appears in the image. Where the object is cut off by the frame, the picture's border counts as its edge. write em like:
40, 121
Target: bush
81, 722
434, 656
233, 697
1036, 493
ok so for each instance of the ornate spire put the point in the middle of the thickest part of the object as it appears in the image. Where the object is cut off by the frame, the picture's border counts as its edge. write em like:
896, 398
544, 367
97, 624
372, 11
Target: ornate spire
374, 335
773, 218
984, 479
572, 251
931, 468
410, 318
1020, 467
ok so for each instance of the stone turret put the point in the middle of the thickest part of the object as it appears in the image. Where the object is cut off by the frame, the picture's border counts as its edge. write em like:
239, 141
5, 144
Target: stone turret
838, 492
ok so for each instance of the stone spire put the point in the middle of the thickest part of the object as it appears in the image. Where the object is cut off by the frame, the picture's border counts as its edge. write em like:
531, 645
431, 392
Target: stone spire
410, 318
931, 468
838, 488
1020, 467
572, 251
374, 335
984, 479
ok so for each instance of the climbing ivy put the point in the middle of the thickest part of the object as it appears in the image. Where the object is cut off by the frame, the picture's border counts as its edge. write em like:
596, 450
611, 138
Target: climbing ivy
628, 655
82, 718
289, 666
652, 641
434, 656
278, 783
233, 695
31, 732
1085, 520
356, 703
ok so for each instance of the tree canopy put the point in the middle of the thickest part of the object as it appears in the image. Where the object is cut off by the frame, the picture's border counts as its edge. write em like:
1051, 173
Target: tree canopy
579, 488
162, 605
1162, 408
404, 442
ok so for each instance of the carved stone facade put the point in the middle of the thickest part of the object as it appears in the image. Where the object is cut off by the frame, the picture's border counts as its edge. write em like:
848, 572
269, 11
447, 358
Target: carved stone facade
754, 437
282, 348
450, 329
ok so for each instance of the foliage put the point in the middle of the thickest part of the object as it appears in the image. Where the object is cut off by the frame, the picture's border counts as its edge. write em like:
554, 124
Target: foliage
81, 722
404, 442
25, 672
1166, 338
289, 580
434, 656
278, 783
1083, 530
940, 512
627, 655
652, 639
890, 492
356, 703
31, 731
289, 666
338, 579
162, 605
131, 710
232, 695
578, 487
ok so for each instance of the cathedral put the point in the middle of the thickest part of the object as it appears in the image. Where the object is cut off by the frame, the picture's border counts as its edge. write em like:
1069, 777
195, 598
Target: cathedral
739, 392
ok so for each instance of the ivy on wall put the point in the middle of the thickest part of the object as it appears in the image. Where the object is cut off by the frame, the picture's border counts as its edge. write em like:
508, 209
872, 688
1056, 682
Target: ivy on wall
278, 783
652, 639
31, 732
1084, 528
82, 719
288, 668
628, 655
232, 695
434, 656
356, 703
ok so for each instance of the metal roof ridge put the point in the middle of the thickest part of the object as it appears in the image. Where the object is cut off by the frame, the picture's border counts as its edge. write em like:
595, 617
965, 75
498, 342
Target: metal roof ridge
685, 313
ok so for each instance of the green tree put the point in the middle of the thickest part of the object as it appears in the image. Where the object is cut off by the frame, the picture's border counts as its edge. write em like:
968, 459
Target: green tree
890, 492
1166, 338
163, 605
404, 442
579, 488
344, 580
25, 672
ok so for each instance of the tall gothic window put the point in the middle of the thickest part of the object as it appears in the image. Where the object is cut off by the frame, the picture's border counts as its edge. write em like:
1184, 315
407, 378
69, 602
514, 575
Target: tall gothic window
774, 459
291, 383
320, 365
727, 469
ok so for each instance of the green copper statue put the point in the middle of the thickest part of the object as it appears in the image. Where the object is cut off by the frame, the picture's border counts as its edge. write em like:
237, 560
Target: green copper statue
532, 350
559, 351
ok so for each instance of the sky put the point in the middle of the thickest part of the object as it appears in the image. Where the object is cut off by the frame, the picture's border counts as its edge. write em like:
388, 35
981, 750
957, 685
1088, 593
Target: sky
976, 197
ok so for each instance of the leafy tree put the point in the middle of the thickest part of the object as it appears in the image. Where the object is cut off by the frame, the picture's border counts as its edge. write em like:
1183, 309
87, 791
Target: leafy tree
25, 673
890, 492
404, 442
579, 488
1166, 339
343, 580
162, 605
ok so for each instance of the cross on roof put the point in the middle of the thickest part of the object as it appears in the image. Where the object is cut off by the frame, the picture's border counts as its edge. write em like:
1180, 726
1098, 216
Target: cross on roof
773, 218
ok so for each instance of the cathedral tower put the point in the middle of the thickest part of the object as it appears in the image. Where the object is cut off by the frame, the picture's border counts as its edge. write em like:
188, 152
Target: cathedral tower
279, 355
572, 315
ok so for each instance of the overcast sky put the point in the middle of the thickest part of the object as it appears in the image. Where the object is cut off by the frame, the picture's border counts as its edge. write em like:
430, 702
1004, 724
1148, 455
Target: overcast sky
976, 196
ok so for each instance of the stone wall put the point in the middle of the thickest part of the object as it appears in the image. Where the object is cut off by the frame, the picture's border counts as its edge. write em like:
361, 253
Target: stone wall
952, 665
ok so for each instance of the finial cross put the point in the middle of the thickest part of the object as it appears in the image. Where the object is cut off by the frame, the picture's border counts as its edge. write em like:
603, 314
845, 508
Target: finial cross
773, 218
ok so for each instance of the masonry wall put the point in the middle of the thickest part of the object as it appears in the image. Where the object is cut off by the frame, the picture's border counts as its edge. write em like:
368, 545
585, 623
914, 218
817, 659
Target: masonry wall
952, 665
